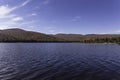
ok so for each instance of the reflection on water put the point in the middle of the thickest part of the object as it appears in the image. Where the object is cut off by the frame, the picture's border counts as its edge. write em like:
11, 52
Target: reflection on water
59, 61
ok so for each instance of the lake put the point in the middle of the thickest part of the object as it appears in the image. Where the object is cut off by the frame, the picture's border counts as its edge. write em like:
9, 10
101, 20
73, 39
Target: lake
59, 61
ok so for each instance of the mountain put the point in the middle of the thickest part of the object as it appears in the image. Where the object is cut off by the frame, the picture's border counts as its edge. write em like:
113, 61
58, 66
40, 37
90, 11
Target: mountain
19, 35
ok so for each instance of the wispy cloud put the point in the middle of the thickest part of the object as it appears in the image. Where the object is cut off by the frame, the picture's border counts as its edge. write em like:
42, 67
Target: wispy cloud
25, 3
17, 19
8, 19
5, 11
46, 2
52, 30
27, 23
111, 32
32, 14
8, 24
76, 18
118, 31
22, 5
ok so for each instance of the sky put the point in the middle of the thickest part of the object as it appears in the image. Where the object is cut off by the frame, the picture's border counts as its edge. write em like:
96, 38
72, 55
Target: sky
62, 16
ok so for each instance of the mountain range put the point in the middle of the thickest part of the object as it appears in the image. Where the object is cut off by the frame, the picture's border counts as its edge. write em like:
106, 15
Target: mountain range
19, 35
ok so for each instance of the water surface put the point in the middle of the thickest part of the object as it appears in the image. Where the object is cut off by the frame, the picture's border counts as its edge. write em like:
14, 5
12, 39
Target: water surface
59, 61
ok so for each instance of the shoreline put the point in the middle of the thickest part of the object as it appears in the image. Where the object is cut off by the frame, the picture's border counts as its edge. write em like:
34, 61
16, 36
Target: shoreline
63, 42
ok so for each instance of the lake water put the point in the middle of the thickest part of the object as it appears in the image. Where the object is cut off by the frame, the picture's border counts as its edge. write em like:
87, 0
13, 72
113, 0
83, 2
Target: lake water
59, 61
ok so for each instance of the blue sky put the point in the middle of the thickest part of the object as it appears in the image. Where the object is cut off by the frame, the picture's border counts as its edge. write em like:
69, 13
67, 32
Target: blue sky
62, 16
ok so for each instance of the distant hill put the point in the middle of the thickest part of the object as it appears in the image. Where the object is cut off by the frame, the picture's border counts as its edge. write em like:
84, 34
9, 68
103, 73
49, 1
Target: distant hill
19, 35
88, 37
69, 37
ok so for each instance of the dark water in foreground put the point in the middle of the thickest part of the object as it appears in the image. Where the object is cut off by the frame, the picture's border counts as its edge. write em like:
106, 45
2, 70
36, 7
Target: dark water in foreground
59, 61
